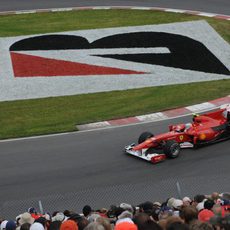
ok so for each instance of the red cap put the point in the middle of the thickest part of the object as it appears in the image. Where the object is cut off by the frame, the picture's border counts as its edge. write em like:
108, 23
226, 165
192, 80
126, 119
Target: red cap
205, 215
69, 225
125, 226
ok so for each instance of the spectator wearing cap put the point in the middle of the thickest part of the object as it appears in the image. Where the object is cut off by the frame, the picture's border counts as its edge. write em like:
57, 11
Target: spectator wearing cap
186, 201
176, 205
127, 207
3, 224
69, 225
125, 216
170, 202
124, 225
11, 225
146, 207
198, 201
58, 216
34, 213
200, 206
87, 210
25, 218
205, 215
208, 204
67, 213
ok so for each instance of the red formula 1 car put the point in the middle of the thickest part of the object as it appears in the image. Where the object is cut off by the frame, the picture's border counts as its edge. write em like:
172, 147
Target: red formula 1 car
205, 129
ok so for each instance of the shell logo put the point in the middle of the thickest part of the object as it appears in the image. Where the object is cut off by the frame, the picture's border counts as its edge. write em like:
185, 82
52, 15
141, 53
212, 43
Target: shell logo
202, 136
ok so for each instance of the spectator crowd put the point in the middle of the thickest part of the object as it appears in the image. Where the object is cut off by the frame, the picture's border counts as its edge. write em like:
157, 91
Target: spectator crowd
207, 212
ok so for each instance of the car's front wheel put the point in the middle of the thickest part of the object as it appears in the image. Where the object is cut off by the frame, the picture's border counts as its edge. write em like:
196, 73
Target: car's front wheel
171, 149
144, 136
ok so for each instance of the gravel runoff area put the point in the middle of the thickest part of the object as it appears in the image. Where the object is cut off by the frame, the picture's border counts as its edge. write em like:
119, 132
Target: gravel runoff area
15, 88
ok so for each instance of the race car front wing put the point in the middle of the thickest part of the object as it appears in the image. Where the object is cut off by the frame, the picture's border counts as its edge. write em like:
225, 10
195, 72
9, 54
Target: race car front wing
153, 157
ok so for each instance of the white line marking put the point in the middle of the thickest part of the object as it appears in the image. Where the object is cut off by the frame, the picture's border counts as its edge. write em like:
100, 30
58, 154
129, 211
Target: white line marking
26, 12
151, 117
202, 106
140, 8
101, 8
207, 14
175, 10
61, 9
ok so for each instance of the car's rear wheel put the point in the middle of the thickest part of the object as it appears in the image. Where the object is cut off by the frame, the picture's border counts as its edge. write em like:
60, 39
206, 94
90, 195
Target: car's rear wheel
144, 136
171, 149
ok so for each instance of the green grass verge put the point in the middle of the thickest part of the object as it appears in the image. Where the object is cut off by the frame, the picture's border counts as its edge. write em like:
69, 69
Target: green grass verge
61, 114
14, 25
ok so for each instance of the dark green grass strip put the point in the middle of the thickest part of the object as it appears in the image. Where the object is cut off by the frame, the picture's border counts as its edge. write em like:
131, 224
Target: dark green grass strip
62, 114
14, 25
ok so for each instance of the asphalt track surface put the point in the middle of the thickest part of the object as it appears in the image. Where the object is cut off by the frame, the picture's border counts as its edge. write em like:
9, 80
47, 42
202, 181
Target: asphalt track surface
211, 6
71, 170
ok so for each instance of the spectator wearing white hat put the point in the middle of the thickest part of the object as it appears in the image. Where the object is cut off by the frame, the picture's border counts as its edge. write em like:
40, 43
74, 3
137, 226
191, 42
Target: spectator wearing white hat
186, 201
25, 218
176, 205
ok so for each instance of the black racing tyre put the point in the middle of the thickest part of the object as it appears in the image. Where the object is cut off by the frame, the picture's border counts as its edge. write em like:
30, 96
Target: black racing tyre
144, 136
171, 149
228, 117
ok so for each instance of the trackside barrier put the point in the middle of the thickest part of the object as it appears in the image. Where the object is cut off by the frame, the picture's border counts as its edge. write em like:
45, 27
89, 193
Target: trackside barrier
104, 197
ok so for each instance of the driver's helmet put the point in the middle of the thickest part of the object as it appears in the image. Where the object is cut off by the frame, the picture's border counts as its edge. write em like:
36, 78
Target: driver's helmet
188, 125
194, 116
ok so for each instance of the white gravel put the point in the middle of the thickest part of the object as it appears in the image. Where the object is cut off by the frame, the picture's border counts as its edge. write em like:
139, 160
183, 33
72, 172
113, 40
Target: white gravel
12, 88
